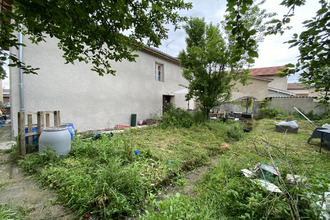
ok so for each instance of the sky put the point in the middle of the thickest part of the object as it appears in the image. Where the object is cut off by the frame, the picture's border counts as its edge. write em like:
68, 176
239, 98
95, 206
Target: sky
272, 51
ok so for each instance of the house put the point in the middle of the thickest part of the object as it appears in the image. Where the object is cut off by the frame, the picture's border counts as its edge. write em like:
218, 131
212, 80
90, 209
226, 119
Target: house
92, 102
6, 95
263, 83
274, 92
277, 82
302, 90
256, 87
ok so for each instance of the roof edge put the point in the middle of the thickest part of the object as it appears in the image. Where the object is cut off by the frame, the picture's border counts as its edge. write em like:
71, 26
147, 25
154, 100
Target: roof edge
160, 54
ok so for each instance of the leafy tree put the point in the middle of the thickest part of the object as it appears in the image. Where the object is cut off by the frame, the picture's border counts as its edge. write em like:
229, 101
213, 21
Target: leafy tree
95, 31
212, 62
313, 44
314, 48
206, 65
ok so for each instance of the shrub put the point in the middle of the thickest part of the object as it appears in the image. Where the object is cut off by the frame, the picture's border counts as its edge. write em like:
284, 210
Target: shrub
271, 112
176, 117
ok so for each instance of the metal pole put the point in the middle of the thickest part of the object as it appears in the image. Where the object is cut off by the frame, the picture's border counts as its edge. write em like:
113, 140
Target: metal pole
304, 116
20, 56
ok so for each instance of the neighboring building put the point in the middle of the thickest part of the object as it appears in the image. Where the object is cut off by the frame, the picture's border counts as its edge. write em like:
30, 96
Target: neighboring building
302, 90
92, 102
273, 92
6, 95
299, 89
257, 87
270, 73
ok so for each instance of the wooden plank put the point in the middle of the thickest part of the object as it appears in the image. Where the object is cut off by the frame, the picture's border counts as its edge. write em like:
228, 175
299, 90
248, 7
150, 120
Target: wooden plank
47, 120
29, 116
30, 134
21, 133
41, 120
57, 119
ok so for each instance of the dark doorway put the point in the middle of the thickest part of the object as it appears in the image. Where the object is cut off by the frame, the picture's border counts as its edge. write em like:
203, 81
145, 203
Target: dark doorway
167, 99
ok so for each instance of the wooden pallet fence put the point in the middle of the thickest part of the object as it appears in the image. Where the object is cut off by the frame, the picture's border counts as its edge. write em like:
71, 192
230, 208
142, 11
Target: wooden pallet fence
43, 120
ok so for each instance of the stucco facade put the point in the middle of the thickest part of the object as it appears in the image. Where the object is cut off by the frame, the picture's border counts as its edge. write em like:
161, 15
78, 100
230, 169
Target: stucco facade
278, 82
257, 88
90, 101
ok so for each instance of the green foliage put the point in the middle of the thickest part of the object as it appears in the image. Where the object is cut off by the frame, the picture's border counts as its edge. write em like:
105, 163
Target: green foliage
312, 43
174, 207
89, 31
245, 34
206, 63
270, 112
176, 117
7, 214
106, 179
48, 157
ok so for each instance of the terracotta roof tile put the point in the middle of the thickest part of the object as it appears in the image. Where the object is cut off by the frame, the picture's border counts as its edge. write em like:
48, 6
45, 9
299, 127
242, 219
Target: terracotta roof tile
266, 71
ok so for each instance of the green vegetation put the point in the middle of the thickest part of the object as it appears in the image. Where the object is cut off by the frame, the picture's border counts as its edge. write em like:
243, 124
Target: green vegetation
126, 175
88, 31
107, 178
6, 213
312, 64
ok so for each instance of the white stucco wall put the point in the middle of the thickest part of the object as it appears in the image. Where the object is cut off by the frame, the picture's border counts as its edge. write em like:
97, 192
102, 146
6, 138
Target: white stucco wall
87, 100
255, 87
278, 82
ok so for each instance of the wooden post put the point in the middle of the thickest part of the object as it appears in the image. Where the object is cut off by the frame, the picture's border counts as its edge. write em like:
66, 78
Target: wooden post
47, 120
41, 124
21, 133
57, 120
30, 149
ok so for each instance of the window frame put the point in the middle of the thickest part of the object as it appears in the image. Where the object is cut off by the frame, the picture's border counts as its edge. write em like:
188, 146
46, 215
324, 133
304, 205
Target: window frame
159, 77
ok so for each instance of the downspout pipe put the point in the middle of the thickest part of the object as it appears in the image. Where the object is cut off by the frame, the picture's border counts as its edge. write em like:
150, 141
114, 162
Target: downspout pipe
20, 57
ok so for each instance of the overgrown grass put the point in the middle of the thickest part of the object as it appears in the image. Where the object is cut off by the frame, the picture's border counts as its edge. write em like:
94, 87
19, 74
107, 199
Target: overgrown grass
6, 213
224, 193
120, 177
107, 178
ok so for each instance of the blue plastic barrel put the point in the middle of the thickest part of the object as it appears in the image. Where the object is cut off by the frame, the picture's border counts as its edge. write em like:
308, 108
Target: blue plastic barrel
70, 128
34, 139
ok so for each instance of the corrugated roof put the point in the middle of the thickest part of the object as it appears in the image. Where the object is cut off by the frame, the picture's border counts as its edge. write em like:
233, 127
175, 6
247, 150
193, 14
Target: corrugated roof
281, 91
266, 71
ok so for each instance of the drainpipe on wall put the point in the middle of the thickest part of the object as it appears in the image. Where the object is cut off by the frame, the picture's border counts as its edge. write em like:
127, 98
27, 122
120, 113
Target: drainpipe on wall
21, 85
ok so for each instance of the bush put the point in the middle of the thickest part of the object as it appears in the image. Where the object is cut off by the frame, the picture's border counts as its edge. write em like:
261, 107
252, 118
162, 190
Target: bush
270, 112
176, 117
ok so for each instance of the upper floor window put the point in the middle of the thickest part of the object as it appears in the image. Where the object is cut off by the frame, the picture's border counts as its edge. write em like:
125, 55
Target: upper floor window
159, 72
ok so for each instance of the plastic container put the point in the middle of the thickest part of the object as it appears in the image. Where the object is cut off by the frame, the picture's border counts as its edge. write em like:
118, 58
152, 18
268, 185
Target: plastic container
133, 120
58, 138
70, 128
34, 140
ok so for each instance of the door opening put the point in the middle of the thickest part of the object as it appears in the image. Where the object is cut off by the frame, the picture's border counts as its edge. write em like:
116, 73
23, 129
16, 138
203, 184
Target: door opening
167, 100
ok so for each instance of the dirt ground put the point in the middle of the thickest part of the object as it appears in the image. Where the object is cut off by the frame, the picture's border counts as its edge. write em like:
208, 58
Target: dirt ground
6, 141
21, 192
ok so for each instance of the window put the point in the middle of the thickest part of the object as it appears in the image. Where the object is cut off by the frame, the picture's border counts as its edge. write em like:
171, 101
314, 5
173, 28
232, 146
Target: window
159, 72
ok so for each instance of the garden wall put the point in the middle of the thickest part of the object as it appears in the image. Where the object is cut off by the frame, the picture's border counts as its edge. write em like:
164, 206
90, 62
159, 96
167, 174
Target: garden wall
305, 104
